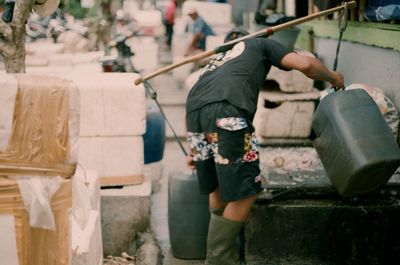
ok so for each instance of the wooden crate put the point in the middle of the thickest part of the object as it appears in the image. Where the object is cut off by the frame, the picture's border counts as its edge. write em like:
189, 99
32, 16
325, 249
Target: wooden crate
38, 246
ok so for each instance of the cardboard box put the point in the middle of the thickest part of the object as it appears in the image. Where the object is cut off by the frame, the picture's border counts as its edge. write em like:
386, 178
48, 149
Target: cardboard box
40, 125
37, 246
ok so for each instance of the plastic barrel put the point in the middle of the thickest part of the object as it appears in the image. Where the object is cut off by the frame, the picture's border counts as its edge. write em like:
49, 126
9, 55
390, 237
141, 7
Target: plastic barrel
355, 145
154, 138
188, 217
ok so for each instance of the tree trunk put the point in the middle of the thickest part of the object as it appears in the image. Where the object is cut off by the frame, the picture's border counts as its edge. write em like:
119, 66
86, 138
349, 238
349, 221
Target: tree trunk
12, 38
15, 62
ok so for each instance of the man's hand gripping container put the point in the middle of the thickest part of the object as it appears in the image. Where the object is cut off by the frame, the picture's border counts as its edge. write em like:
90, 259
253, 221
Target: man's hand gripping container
354, 143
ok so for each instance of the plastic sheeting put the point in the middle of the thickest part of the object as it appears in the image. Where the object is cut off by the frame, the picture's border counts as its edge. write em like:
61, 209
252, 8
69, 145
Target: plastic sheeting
36, 194
44, 117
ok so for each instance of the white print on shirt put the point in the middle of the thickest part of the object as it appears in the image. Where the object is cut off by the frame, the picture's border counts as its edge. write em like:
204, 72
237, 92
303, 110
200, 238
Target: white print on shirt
222, 58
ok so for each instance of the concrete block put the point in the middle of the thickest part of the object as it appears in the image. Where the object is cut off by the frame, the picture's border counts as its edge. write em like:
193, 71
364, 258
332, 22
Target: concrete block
87, 247
112, 156
111, 105
324, 231
124, 213
288, 116
292, 81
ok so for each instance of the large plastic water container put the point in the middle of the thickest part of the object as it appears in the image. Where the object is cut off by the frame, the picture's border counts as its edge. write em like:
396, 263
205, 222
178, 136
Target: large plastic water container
188, 217
154, 138
354, 143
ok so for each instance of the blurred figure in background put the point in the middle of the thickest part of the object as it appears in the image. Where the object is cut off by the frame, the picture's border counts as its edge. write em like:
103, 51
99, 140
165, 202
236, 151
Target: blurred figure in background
200, 30
219, 1
169, 20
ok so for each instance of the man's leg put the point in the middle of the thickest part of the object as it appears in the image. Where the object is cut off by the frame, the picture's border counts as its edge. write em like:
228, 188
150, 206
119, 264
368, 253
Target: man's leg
234, 215
223, 229
236, 161
225, 241
216, 205
239, 210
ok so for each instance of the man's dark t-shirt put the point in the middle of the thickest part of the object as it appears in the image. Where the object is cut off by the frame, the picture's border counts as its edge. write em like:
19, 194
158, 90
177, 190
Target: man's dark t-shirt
237, 75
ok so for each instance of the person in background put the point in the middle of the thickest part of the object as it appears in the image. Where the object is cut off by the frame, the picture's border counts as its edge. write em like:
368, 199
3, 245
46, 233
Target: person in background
224, 149
169, 21
200, 30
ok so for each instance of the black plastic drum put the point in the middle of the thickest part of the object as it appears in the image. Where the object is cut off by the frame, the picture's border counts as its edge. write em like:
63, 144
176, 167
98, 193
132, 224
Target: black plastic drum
188, 217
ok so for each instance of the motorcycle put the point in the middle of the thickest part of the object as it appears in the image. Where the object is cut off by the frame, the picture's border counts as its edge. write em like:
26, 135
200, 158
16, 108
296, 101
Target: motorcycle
121, 62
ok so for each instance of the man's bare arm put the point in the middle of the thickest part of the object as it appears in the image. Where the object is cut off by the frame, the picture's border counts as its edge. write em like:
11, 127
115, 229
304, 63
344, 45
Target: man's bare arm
312, 68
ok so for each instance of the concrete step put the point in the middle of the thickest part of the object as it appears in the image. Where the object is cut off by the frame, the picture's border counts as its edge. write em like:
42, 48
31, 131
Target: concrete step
316, 226
301, 219
125, 211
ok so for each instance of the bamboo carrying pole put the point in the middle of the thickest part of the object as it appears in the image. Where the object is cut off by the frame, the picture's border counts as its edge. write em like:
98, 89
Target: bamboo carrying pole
262, 33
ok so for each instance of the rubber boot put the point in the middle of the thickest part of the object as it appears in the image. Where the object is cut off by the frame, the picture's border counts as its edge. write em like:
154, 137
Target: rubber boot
216, 211
221, 246
240, 239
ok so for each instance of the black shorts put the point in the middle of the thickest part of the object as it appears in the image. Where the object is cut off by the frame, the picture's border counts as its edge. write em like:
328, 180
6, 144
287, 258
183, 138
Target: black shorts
225, 151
